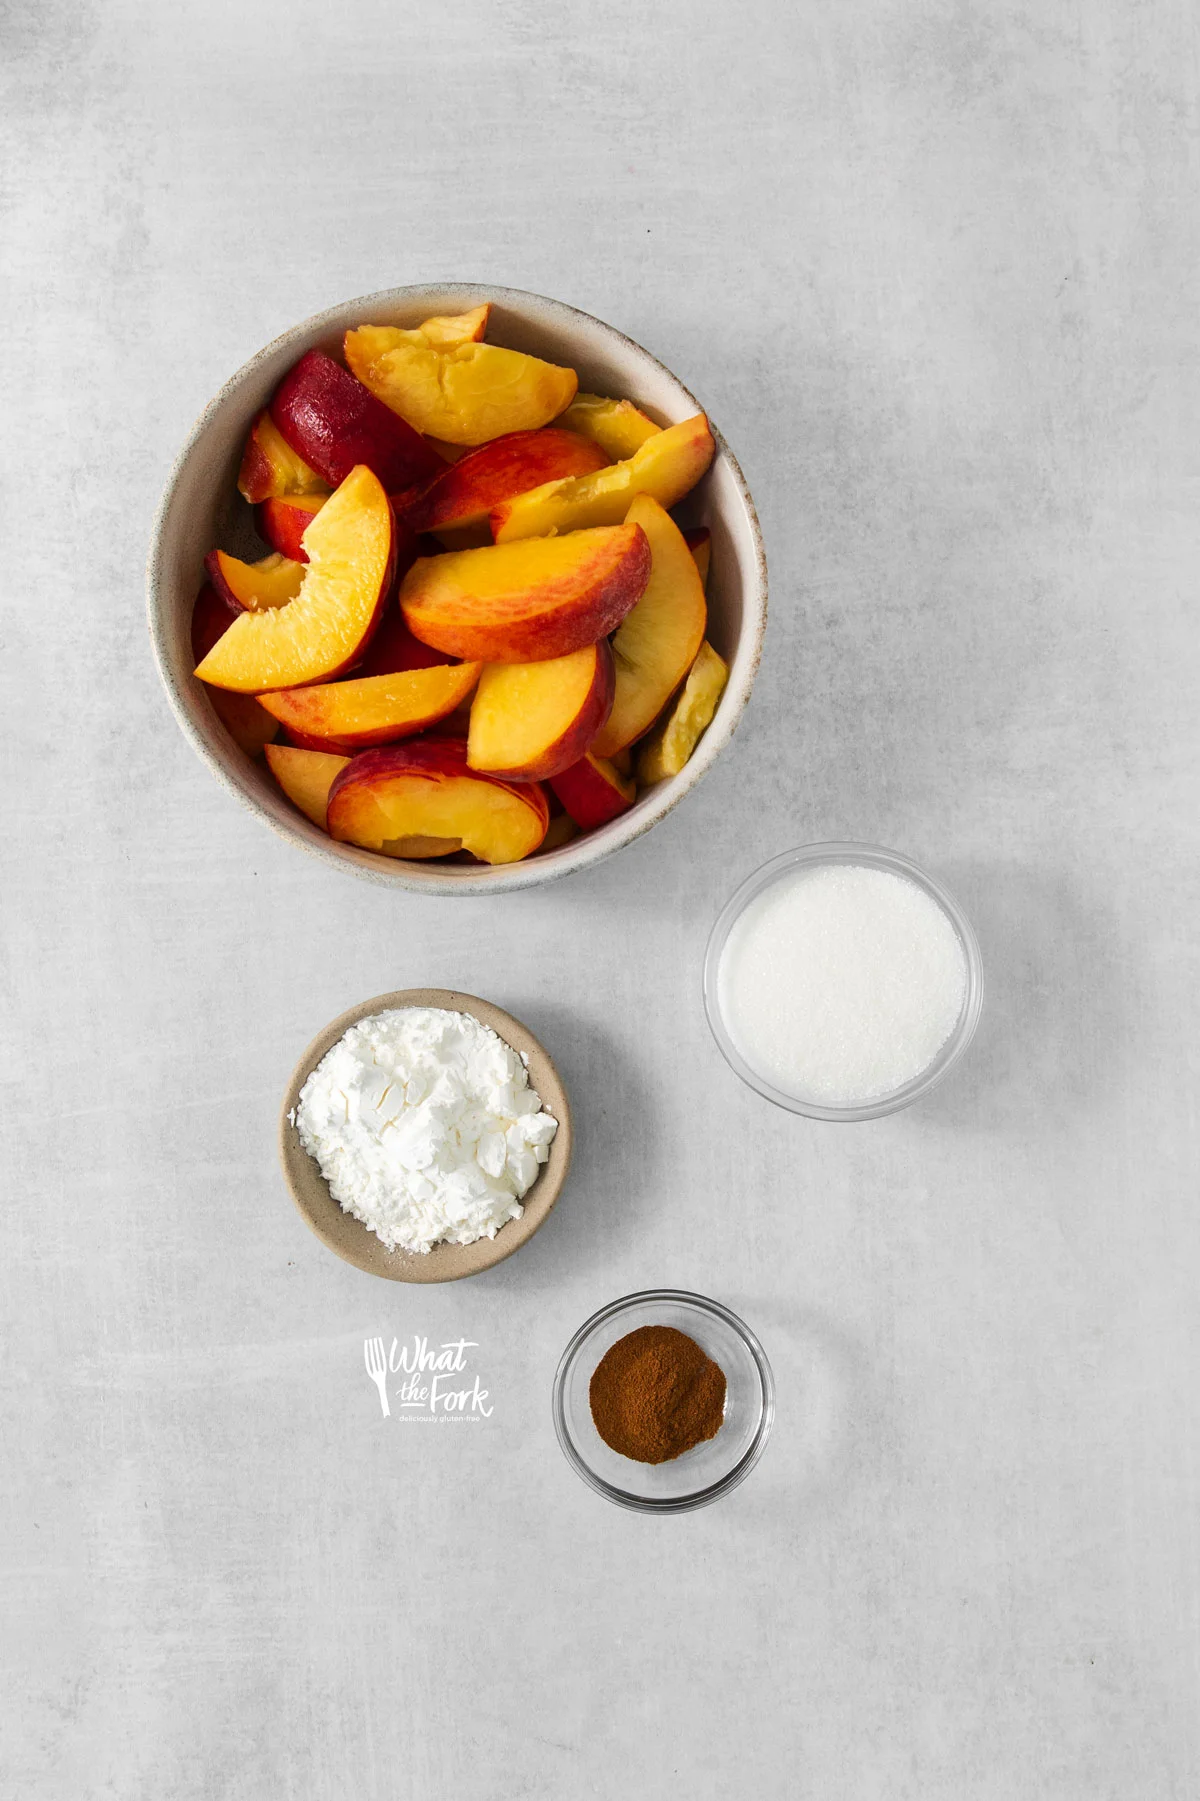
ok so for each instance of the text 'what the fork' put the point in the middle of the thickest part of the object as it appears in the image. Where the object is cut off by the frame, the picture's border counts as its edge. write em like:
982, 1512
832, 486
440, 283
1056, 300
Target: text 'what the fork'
429, 1380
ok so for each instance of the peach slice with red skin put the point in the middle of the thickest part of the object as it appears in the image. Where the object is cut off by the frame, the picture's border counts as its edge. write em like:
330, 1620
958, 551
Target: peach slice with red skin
334, 422
522, 603
461, 497
326, 628
306, 776
423, 793
393, 649
373, 709
615, 425
283, 520
593, 791
270, 466
531, 720
666, 466
247, 722
254, 587
657, 643
463, 393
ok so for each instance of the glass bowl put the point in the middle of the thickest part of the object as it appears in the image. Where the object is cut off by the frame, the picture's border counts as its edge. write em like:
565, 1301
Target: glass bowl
870, 856
708, 1470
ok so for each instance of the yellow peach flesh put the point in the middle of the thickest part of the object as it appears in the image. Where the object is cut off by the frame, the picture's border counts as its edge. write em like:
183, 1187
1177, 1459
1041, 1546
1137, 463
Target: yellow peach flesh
615, 425
306, 776
462, 394
666, 466
319, 633
671, 743
657, 643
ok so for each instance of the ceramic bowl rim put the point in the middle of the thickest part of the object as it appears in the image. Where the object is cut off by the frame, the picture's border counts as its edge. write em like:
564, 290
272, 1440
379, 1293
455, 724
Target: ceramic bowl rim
441, 1264
580, 853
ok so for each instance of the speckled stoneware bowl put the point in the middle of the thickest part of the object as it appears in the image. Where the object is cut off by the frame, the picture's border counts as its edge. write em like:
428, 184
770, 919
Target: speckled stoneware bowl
445, 1262
202, 509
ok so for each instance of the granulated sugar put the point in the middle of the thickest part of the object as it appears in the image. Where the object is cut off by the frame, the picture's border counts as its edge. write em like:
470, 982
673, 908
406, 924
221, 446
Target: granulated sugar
840, 983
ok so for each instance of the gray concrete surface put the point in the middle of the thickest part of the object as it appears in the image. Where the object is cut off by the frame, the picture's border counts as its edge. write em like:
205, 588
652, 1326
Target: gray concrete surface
932, 267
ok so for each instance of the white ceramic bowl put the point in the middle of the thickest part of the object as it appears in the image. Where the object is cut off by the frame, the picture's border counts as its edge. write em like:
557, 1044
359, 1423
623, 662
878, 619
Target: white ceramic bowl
201, 508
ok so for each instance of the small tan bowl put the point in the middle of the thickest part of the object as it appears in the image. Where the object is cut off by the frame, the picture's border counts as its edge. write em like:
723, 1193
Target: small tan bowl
347, 1236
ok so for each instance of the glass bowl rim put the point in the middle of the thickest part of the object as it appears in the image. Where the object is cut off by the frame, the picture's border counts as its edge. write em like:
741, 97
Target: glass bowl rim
700, 1497
871, 856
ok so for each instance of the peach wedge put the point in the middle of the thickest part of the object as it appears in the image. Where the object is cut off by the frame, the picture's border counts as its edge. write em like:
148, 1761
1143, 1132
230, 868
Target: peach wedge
351, 548
421, 800
521, 603
460, 499
699, 541
283, 520
462, 393
306, 776
254, 587
677, 734
248, 724
593, 791
658, 642
530, 720
270, 466
376, 709
666, 466
332, 420
615, 425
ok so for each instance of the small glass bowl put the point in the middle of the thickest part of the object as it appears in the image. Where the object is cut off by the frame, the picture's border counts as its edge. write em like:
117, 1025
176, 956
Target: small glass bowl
869, 856
708, 1470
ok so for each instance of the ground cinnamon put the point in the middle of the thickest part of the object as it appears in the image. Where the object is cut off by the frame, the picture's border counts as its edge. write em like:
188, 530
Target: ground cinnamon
654, 1394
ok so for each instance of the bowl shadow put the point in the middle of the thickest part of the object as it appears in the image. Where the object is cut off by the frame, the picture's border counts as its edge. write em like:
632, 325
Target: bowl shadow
616, 1155
1058, 1002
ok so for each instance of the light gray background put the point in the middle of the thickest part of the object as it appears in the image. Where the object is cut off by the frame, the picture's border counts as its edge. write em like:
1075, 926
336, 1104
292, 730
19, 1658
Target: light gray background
932, 267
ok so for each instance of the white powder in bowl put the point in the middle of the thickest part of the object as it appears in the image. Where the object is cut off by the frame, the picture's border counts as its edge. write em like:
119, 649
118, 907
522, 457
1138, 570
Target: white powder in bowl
840, 983
425, 1127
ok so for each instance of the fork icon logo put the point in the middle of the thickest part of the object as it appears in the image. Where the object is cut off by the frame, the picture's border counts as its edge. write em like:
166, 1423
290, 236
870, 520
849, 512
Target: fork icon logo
377, 1368
433, 1382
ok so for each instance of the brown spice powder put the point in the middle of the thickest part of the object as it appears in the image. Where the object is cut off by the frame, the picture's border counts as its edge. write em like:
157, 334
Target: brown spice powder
654, 1394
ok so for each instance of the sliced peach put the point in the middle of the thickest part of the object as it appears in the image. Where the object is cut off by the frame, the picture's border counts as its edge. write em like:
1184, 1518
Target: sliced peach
658, 642
248, 724
284, 519
676, 736
699, 542
520, 603
373, 709
560, 831
331, 419
593, 791
462, 394
449, 453
270, 466
351, 547
615, 425
387, 800
448, 329
393, 649
666, 466
306, 776
254, 587
529, 720
459, 500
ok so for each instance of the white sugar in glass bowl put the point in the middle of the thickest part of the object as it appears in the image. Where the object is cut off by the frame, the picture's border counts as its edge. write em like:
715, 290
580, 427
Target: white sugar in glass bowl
201, 509
842, 981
